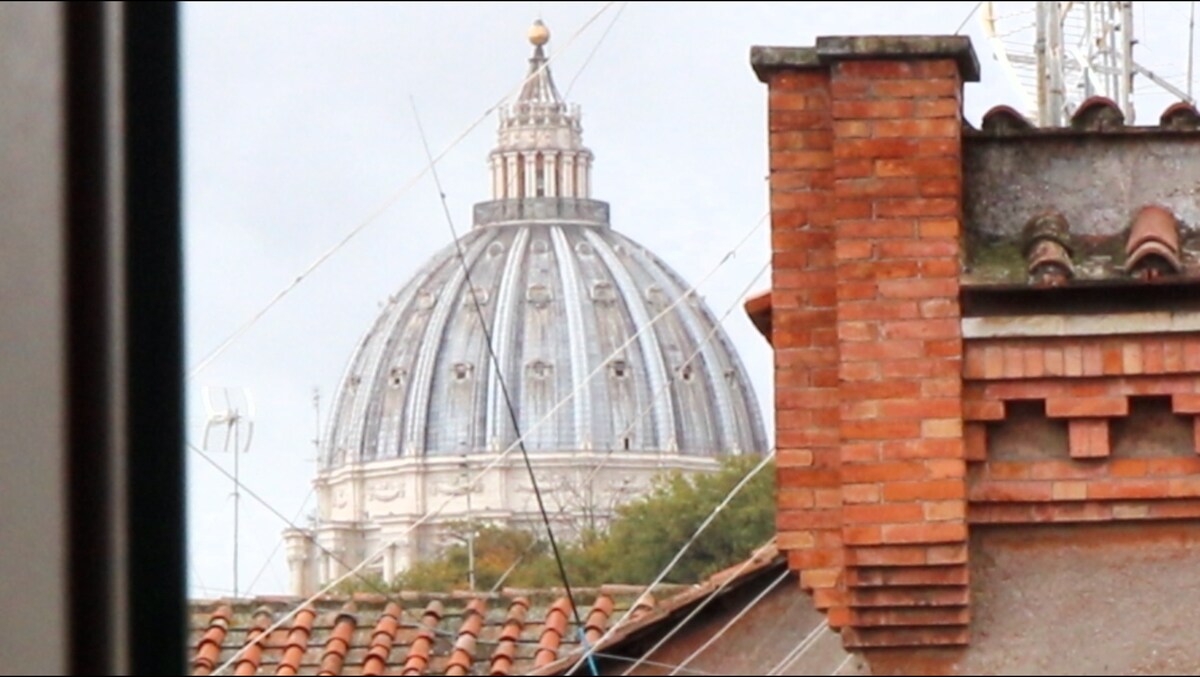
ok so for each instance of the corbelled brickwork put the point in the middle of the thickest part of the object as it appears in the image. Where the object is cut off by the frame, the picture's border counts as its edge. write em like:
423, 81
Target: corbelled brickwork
1129, 406
866, 178
1036, 364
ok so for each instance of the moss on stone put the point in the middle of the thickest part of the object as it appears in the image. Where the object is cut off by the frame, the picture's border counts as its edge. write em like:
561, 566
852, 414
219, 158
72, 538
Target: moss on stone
997, 261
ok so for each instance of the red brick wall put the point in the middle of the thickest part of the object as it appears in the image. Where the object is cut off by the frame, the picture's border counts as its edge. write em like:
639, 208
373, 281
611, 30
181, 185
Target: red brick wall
804, 332
894, 433
866, 175
898, 184
1087, 383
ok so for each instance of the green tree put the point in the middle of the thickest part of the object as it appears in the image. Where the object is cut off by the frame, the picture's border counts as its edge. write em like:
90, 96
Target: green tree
497, 550
642, 539
649, 532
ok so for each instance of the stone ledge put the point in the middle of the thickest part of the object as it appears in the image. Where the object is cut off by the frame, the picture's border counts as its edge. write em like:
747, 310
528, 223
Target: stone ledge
1031, 326
830, 49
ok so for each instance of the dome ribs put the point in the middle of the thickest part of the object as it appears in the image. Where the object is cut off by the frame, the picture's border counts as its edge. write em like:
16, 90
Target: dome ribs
417, 411
499, 423
396, 395
662, 417
577, 339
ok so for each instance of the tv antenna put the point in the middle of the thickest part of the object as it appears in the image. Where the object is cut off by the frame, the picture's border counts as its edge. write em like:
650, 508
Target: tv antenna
1059, 54
232, 417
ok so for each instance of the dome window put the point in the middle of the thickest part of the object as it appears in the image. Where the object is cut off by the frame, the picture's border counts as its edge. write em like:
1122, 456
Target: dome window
584, 249
475, 295
687, 372
463, 371
618, 368
539, 369
539, 295
602, 292
397, 375
540, 246
655, 296
426, 300
495, 249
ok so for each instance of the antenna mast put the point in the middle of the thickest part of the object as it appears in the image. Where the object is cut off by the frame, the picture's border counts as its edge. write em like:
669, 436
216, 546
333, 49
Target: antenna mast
236, 415
1059, 54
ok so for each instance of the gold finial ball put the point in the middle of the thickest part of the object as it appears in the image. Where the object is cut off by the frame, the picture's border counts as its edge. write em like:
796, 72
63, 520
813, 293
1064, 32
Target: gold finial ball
538, 33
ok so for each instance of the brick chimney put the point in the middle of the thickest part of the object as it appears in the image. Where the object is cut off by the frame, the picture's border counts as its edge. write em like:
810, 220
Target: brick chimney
866, 201
998, 327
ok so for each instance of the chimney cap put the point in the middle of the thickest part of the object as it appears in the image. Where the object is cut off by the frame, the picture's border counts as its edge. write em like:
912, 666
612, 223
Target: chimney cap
834, 48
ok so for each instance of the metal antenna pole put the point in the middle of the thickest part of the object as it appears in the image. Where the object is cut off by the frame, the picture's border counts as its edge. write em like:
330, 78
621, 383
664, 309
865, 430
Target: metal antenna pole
1127, 66
1191, 50
316, 440
231, 418
237, 498
1043, 71
470, 527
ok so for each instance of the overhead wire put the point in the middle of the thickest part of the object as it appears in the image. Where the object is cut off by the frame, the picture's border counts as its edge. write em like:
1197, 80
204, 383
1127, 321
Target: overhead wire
354, 570
500, 457
665, 388
279, 543
725, 628
291, 523
800, 649
595, 48
968, 17
842, 665
716, 511
691, 291
652, 664
498, 369
384, 206
712, 595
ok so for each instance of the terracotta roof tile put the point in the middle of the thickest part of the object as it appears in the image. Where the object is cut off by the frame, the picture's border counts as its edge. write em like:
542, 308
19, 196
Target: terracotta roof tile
297, 642
505, 654
758, 307
419, 651
505, 633
1153, 247
1016, 173
648, 612
463, 655
252, 657
208, 650
553, 632
338, 644
1180, 116
1003, 120
597, 619
382, 639
644, 606
1098, 114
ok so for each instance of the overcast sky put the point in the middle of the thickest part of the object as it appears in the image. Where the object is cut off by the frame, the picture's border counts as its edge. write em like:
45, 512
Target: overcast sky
298, 128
